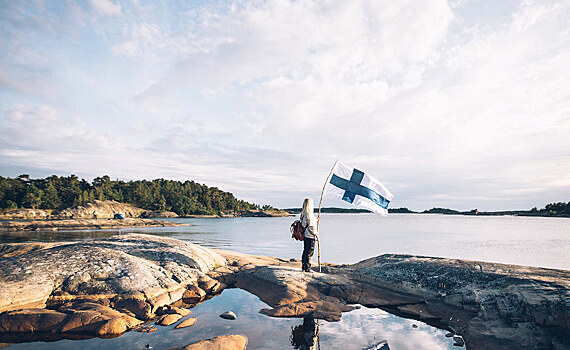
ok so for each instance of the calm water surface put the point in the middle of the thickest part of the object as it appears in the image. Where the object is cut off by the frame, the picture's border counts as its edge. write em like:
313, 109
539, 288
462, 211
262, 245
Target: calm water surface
356, 330
345, 238
348, 238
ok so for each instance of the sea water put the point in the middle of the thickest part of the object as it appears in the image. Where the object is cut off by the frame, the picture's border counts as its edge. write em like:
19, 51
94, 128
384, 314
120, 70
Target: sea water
348, 238
345, 238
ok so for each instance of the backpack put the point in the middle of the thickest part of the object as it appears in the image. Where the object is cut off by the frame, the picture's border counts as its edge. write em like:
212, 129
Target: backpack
297, 230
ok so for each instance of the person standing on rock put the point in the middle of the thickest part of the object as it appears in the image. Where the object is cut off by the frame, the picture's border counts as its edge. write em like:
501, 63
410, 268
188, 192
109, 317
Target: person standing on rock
309, 222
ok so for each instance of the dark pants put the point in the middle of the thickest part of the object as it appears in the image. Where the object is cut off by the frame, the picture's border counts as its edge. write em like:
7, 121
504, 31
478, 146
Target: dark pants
308, 251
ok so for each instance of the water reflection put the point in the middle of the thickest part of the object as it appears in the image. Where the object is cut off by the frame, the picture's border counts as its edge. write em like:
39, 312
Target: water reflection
305, 336
383, 345
359, 329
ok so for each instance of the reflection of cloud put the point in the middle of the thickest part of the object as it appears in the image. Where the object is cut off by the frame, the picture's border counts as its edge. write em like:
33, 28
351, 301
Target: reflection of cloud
369, 326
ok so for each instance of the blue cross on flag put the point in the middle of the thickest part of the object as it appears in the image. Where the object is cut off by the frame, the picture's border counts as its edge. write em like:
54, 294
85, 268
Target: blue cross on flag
359, 189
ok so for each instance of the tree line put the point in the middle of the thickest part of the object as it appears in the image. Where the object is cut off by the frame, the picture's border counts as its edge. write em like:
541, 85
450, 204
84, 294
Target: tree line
554, 209
60, 192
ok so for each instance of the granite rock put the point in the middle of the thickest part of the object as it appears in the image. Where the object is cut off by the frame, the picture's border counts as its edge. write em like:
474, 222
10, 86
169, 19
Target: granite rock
99, 287
186, 323
489, 305
224, 342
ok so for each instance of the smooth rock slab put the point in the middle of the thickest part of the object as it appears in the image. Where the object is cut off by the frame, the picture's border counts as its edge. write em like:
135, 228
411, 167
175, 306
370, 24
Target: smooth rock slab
125, 265
98, 288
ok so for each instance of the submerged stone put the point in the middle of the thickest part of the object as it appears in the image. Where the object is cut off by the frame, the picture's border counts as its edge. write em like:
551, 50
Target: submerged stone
186, 323
228, 315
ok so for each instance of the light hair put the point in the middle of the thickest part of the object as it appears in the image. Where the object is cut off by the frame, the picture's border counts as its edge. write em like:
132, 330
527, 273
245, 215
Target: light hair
308, 207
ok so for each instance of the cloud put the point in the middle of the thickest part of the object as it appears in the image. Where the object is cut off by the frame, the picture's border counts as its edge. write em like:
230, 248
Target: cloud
105, 7
39, 128
457, 104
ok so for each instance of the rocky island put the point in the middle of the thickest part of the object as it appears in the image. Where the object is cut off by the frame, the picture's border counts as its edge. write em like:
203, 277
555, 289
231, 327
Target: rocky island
109, 286
101, 215
96, 215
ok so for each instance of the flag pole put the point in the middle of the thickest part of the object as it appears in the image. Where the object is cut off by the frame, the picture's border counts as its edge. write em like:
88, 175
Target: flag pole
319, 217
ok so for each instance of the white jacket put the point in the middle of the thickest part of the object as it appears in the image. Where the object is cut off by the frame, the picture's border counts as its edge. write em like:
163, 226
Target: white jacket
310, 225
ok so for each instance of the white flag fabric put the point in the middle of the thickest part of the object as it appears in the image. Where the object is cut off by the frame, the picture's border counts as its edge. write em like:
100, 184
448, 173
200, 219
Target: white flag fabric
359, 189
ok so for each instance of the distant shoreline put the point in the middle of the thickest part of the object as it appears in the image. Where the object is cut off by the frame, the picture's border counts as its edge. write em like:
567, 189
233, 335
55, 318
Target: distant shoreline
443, 211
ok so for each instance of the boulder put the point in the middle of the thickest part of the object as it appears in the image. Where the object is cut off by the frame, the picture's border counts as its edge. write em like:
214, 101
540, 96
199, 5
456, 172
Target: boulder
168, 319
224, 342
210, 285
193, 294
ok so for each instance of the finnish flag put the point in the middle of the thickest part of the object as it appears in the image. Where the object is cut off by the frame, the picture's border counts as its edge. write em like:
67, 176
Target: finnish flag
359, 189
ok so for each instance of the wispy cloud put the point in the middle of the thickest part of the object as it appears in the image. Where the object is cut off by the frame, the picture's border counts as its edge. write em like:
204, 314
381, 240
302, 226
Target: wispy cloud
105, 7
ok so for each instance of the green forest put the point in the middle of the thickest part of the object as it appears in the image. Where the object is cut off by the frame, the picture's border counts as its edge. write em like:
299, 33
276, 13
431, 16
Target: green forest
554, 209
60, 192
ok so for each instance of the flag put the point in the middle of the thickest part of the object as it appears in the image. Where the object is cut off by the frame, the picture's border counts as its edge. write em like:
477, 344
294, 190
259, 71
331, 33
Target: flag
359, 189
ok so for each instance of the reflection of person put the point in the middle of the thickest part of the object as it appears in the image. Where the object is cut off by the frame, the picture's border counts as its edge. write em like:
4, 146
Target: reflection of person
309, 223
304, 336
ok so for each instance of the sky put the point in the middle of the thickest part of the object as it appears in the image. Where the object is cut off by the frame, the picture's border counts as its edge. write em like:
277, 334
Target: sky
460, 104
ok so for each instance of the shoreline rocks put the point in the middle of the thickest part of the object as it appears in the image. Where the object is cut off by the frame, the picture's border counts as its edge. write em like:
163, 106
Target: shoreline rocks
107, 210
122, 280
82, 224
108, 286
488, 305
